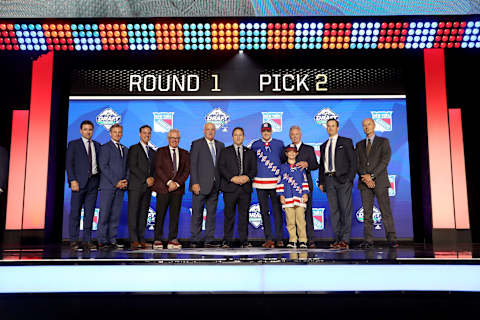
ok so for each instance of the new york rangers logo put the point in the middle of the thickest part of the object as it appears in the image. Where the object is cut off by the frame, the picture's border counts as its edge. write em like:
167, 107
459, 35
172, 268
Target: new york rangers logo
255, 216
107, 118
96, 213
219, 118
324, 115
392, 191
376, 216
316, 148
383, 120
151, 219
162, 121
318, 218
275, 119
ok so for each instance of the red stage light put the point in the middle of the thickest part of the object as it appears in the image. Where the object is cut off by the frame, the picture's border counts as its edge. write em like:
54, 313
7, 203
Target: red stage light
108, 26
57, 47
291, 26
284, 25
334, 26
55, 40
447, 31
457, 44
7, 40
441, 25
384, 25
381, 39
278, 25
389, 39
395, 39
341, 25
461, 31
397, 32
391, 25
63, 40
398, 25
64, 47
443, 45
405, 25
448, 24
390, 32
444, 38
341, 32
71, 47
334, 32
111, 47
404, 32
402, 39
326, 33
165, 26
180, 47
454, 31
327, 26
380, 46
3, 26
348, 25
458, 38
10, 26
9, 47
383, 32
270, 26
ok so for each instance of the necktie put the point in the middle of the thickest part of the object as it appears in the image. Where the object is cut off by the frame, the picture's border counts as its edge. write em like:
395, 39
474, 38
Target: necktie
369, 146
119, 150
330, 156
212, 151
90, 156
239, 161
146, 150
174, 157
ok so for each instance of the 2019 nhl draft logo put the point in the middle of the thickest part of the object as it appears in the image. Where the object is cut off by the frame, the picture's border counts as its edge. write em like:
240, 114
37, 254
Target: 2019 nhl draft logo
377, 217
151, 219
219, 118
324, 115
383, 120
318, 218
255, 216
162, 121
392, 191
108, 117
96, 214
275, 119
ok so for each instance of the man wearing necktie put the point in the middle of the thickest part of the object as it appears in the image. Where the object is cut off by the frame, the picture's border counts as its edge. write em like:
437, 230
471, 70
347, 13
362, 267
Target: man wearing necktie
204, 184
373, 156
83, 177
238, 167
140, 165
172, 168
113, 183
337, 171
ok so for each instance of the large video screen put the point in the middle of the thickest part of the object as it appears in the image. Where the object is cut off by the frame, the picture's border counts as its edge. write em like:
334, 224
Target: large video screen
189, 114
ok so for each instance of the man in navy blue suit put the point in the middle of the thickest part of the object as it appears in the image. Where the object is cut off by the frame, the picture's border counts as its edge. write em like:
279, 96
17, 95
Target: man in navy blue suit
83, 177
113, 183
338, 165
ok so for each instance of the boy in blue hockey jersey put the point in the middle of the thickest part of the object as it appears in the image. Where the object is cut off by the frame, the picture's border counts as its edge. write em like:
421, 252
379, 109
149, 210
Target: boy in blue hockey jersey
268, 152
293, 190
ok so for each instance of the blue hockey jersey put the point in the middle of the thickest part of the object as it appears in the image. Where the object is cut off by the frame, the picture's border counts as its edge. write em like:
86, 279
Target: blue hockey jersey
268, 162
292, 184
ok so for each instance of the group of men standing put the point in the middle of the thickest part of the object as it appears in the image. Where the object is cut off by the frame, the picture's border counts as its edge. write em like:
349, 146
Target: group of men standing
235, 170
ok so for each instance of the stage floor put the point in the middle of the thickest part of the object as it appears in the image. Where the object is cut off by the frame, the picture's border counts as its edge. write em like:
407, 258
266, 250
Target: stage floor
380, 254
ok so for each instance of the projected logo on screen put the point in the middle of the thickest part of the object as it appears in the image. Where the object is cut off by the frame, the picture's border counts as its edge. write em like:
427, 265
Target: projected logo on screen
318, 218
107, 118
219, 118
377, 217
316, 147
392, 191
254, 216
383, 120
162, 121
275, 119
151, 219
324, 115
95, 219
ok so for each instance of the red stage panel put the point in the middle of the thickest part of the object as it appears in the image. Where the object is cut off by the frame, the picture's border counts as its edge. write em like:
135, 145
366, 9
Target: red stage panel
16, 178
443, 216
458, 170
38, 143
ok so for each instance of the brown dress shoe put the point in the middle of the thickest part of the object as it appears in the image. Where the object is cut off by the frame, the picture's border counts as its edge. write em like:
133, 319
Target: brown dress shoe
311, 245
279, 244
343, 245
269, 244
134, 245
142, 245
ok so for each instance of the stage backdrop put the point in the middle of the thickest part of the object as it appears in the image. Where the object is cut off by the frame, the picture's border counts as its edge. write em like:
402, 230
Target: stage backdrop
188, 114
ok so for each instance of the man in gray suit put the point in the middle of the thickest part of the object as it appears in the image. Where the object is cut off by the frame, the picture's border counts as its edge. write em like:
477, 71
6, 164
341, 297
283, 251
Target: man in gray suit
204, 184
373, 156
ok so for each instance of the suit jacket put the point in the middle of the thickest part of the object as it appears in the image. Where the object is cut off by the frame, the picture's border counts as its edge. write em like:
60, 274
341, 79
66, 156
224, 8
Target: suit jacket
306, 153
228, 169
345, 162
202, 170
113, 167
164, 170
78, 167
139, 167
4, 159
375, 163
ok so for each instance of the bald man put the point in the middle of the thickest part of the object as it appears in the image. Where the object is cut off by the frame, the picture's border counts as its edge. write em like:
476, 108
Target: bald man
373, 156
204, 185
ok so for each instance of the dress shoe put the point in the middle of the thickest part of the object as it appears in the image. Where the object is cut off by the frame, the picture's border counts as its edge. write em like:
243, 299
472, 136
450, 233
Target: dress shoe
196, 244
246, 244
174, 244
89, 246
157, 245
311, 245
335, 245
226, 244
103, 246
343, 245
279, 244
142, 245
269, 244
211, 245
75, 245
366, 245
114, 246
134, 245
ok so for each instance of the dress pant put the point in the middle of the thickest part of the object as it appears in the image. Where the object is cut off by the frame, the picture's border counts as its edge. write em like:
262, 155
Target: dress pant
233, 200
138, 207
111, 202
86, 197
171, 202
340, 204
309, 218
198, 203
295, 217
263, 195
384, 206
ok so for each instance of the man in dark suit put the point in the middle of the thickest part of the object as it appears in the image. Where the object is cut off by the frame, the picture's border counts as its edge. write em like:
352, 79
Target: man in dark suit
204, 184
172, 167
83, 173
140, 166
373, 156
113, 183
238, 167
337, 172
307, 160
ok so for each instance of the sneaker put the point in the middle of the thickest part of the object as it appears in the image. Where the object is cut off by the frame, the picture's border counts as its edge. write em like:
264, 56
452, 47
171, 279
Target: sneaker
226, 244
157, 245
246, 244
334, 245
269, 244
292, 245
343, 245
280, 244
303, 245
174, 244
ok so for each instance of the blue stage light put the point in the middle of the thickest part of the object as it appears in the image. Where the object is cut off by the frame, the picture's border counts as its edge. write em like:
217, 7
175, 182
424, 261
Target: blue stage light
249, 47
208, 40
81, 27
468, 31
311, 46
76, 40
359, 46
374, 39
431, 38
361, 32
193, 26
29, 47
353, 45
304, 39
313, 25
367, 46
415, 45
477, 45
97, 41
411, 32
201, 40
298, 26
19, 33
73, 26
263, 46
89, 33
354, 32
263, 39
369, 25
360, 39
368, 32
256, 39
473, 38
21, 40
470, 24
242, 46
144, 34
311, 39
319, 25
28, 40
138, 40
312, 32
194, 46
434, 24
416, 39
304, 46
256, 46
408, 45
413, 25
249, 33
425, 31
319, 32
207, 27
91, 47
23, 47
298, 32
201, 46
256, 26
249, 40
88, 27
84, 47
353, 39
249, 26
83, 40
305, 25
242, 26
305, 32
38, 27
82, 33
418, 32
43, 47
208, 46
318, 46
477, 24
377, 25
319, 39
429, 45
471, 45
355, 25
423, 38
376, 32
207, 33
433, 32
297, 46
263, 25
475, 31
422, 45
374, 46
131, 40
368, 39
186, 40
90, 40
